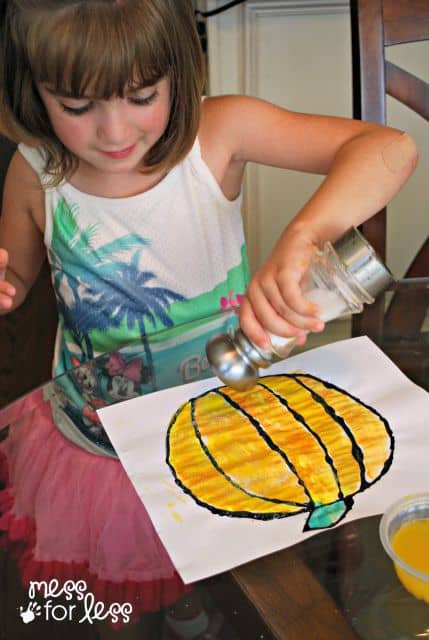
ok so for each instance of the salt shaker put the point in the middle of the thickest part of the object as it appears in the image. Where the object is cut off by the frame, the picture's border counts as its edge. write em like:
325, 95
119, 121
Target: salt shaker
341, 278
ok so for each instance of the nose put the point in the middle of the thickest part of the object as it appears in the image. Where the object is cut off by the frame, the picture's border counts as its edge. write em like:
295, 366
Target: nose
112, 126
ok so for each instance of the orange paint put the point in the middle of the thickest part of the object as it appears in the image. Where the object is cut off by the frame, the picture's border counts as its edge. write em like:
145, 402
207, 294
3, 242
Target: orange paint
411, 544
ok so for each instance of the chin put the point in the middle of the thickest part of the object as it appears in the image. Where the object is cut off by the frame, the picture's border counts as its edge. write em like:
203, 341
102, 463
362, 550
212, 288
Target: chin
127, 165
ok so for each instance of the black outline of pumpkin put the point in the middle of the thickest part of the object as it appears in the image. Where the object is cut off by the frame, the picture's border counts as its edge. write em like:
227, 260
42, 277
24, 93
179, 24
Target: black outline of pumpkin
322, 515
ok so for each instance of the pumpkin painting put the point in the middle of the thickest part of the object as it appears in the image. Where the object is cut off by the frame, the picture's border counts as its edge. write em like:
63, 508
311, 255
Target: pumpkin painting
293, 443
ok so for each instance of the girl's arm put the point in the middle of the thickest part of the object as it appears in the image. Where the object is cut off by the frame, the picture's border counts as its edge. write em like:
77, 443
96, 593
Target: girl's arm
365, 166
21, 234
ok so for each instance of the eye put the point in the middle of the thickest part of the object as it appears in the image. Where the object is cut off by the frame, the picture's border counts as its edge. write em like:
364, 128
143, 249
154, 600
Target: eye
142, 100
77, 111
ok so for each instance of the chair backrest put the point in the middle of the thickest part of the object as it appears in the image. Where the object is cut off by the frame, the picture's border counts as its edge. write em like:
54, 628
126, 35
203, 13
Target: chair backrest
376, 25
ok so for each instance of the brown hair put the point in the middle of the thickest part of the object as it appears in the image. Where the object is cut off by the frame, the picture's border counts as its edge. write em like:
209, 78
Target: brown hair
104, 46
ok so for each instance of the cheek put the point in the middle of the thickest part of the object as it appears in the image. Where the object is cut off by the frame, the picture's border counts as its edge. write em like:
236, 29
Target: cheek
157, 120
70, 131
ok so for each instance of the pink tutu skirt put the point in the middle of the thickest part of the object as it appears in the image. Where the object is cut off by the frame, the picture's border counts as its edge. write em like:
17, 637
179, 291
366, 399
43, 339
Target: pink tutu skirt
71, 515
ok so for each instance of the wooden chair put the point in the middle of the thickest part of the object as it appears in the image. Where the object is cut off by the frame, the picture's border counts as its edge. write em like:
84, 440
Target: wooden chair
376, 25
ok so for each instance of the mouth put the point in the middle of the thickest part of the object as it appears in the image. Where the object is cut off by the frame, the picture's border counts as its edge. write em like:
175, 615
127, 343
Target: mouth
122, 153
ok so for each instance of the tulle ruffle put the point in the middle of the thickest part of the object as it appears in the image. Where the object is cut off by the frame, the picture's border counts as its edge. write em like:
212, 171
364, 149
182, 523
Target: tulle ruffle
71, 515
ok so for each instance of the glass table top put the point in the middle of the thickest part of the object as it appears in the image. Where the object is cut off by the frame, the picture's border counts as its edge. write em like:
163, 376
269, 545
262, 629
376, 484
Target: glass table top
351, 564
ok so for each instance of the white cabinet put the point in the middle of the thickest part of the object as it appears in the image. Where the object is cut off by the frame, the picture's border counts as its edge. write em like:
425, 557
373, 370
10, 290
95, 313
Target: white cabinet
297, 53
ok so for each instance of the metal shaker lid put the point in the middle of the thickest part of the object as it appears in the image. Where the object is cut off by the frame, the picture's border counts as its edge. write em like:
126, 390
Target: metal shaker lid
230, 362
362, 262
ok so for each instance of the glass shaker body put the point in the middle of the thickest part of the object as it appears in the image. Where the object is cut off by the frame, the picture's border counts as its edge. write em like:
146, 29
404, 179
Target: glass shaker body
330, 286
341, 278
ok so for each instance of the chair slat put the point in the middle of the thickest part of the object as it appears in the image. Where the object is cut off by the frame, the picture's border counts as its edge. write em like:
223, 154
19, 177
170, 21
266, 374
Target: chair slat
416, 284
408, 89
413, 295
405, 21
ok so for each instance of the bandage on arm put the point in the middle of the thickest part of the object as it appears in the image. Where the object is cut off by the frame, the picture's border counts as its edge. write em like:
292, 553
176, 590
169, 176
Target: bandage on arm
396, 155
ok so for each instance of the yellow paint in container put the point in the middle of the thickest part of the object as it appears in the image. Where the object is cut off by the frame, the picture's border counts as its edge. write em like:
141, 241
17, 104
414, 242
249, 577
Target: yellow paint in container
404, 532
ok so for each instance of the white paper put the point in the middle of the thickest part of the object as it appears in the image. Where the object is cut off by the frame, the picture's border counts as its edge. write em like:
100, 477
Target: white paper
201, 543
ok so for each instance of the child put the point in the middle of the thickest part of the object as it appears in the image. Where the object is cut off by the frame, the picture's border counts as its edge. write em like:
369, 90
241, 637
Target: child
131, 183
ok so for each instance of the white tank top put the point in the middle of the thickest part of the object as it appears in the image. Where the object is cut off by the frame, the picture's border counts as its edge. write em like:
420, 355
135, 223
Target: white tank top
125, 268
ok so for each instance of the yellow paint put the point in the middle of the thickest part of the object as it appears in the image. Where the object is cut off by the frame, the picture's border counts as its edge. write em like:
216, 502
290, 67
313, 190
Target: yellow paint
368, 429
176, 516
188, 457
238, 456
176, 493
275, 449
411, 544
292, 436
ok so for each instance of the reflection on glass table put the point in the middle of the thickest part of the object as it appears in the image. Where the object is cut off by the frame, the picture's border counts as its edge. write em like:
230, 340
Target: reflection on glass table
352, 565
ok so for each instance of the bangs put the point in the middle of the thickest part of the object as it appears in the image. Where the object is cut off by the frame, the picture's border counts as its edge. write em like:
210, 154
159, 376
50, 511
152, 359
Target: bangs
101, 49
98, 51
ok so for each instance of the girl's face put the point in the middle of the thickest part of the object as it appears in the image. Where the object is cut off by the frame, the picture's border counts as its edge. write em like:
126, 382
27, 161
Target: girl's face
110, 135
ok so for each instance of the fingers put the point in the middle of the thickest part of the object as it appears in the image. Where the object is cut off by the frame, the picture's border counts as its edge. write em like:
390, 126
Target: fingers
288, 302
7, 290
4, 258
271, 311
266, 309
275, 301
257, 330
251, 327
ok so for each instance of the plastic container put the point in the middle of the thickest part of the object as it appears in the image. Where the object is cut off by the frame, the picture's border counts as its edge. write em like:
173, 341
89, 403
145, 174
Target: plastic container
404, 533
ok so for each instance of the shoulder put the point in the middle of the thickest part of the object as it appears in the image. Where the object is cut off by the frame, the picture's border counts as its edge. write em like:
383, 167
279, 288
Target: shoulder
224, 122
219, 140
23, 189
232, 106
214, 118
243, 125
21, 174
225, 115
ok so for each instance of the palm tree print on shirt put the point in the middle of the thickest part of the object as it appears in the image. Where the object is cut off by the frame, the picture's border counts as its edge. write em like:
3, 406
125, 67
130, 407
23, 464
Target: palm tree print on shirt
102, 287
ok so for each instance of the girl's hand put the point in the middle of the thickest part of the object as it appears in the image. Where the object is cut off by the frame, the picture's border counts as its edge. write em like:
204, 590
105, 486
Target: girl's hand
7, 291
274, 300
